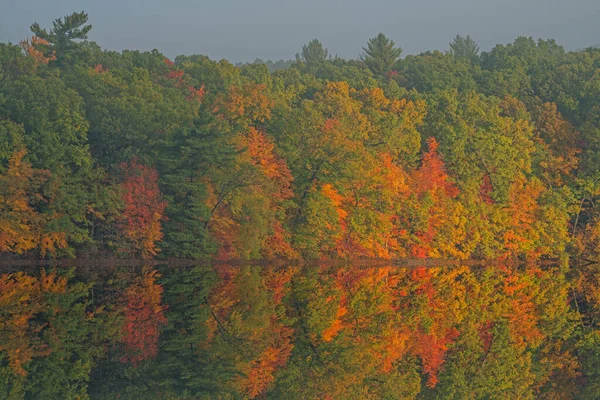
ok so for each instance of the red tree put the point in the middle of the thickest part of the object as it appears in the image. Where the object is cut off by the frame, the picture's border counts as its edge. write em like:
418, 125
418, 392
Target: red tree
144, 207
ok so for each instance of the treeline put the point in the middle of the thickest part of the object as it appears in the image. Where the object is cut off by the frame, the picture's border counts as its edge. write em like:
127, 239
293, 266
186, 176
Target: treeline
301, 332
457, 155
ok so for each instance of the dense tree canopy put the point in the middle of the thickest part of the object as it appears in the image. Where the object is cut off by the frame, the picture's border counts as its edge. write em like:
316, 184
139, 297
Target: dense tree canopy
446, 155
442, 155
300, 332
381, 54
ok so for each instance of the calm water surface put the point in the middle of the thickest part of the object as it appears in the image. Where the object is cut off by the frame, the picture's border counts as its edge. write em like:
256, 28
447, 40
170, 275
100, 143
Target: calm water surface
300, 332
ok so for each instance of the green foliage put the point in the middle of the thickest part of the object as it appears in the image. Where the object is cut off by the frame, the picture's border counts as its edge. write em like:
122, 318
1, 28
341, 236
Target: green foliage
381, 55
314, 53
464, 48
322, 158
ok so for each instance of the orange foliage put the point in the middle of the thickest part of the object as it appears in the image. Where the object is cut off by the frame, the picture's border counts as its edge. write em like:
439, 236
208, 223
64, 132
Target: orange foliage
432, 348
433, 194
32, 46
261, 150
278, 243
432, 175
521, 233
336, 199
22, 228
249, 101
263, 368
560, 139
485, 190
196, 93
99, 69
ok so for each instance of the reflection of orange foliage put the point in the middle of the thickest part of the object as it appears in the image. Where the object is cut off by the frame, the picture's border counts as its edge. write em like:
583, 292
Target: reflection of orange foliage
144, 316
394, 348
522, 312
432, 349
337, 325
272, 339
263, 368
21, 298
486, 336
277, 281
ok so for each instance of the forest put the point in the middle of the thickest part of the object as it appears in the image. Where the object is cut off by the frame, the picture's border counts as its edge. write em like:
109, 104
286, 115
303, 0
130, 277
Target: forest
451, 155
290, 177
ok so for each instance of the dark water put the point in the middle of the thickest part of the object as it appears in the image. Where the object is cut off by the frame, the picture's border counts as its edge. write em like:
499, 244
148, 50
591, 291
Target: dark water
300, 332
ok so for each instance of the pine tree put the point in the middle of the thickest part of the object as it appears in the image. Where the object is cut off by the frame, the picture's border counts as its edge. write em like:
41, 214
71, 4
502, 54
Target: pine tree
314, 53
62, 36
464, 48
381, 55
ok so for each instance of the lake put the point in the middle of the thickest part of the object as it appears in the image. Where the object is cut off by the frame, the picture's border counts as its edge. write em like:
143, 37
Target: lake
305, 331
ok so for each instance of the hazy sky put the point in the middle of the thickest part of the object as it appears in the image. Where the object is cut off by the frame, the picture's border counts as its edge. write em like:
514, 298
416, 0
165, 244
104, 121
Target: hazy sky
242, 30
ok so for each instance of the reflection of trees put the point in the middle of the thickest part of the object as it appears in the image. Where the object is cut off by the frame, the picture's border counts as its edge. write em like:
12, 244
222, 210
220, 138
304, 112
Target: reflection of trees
303, 332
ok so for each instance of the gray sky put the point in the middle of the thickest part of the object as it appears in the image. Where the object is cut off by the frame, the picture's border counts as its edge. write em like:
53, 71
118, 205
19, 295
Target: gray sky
242, 30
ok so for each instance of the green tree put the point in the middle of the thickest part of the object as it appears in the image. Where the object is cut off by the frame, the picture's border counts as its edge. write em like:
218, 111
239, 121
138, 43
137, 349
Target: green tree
314, 53
64, 33
464, 48
381, 55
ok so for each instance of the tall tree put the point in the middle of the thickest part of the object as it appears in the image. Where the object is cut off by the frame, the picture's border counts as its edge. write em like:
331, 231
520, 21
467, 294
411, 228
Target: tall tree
314, 53
62, 36
381, 54
464, 48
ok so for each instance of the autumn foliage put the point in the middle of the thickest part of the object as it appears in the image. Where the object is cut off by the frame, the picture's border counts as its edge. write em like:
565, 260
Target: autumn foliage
144, 208
144, 318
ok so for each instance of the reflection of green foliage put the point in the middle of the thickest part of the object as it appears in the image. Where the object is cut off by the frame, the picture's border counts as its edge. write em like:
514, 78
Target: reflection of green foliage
222, 320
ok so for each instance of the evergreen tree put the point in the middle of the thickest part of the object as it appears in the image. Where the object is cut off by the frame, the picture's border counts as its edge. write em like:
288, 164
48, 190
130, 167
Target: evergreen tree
62, 36
314, 53
381, 55
464, 48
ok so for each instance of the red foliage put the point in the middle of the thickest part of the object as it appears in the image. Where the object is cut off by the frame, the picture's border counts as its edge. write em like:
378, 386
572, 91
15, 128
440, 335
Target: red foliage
175, 74
485, 190
196, 94
486, 335
432, 175
144, 207
392, 74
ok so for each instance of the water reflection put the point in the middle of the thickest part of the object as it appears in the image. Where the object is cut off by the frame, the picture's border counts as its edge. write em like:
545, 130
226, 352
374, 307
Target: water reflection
301, 332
